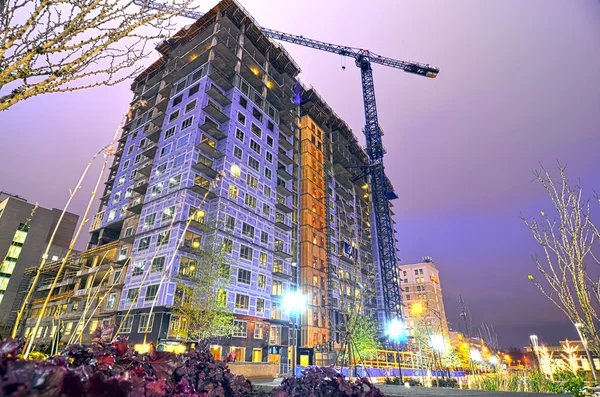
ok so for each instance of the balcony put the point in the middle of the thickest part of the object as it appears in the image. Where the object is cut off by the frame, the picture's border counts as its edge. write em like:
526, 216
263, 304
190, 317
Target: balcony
53, 298
209, 147
150, 150
153, 133
216, 94
286, 129
281, 189
212, 128
281, 204
213, 111
280, 250
145, 169
162, 103
205, 165
284, 158
158, 119
135, 206
202, 186
197, 218
282, 172
191, 244
284, 143
281, 222
342, 192
141, 186
97, 221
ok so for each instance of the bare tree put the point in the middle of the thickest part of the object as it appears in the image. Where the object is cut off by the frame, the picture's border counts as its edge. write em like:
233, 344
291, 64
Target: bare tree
51, 46
489, 336
567, 240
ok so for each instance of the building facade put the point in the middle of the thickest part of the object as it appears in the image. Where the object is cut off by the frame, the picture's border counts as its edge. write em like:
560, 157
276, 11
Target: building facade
422, 298
229, 149
25, 230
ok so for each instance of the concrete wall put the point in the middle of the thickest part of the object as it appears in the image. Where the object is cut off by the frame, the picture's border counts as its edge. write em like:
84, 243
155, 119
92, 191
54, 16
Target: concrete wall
255, 370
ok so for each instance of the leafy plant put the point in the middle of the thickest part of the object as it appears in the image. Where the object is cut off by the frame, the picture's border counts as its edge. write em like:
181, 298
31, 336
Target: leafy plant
110, 369
325, 381
450, 383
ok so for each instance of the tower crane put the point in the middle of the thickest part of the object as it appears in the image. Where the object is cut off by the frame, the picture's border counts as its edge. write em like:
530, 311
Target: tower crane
386, 248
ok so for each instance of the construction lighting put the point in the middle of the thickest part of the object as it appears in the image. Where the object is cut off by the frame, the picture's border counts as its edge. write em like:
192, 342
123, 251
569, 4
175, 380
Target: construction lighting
437, 343
365, 186
476, 355
396, 330
294, 302
142, 347
493, 360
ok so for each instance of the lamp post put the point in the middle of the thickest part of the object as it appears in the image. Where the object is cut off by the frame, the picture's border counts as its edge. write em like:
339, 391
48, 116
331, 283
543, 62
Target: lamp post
294, 303
396, 332
587, 351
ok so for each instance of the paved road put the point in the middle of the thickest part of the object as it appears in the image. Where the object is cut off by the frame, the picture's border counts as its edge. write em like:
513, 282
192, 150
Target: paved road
401, 391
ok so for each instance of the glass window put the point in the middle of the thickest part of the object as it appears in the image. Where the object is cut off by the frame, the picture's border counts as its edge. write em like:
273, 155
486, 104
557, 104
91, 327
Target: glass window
179, 160
158, 264
239, 134
144, 244
146, 322
255, 146
245, 252
174, 182
262, 281
250, 201
244, 276
151, 292
183, 141
258, 331
173, 116
241, 118
242, 301
190, 106
240, 328
170, 132
260, 305
238, 153
187, 123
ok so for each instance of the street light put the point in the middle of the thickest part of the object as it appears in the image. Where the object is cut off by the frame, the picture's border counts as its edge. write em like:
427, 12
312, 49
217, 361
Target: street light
476, 355
585, 346
294, 302
396, 331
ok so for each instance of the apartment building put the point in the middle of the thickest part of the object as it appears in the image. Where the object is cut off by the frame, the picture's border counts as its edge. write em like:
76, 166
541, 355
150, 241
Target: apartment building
229, 141
422, 297
25, 231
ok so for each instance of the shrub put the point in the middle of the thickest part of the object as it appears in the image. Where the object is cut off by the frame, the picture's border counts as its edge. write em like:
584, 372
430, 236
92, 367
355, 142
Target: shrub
105, 369
325, 381
450, 383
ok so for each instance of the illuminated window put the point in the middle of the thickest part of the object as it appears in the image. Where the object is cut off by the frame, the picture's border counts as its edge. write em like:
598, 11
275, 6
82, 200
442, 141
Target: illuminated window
20, 237
258, 332
260, 305
250, 201
277, 288
251, 181
233, 191
235, 170
8, 266
93, 326
262, 259
174, 182
242, 302
262, 281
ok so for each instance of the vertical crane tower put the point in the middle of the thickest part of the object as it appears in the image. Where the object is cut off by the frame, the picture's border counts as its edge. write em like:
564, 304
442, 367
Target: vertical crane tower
386, 247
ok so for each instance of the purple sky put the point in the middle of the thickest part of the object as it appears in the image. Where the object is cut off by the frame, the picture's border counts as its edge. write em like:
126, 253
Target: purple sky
518, 86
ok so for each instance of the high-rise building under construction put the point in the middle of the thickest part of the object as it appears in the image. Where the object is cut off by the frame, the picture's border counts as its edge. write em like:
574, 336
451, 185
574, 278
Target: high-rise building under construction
226, 134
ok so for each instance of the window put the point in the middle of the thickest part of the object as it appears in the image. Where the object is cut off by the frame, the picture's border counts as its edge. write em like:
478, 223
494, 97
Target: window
260, 305
264, 237
229, 222
256, 130
158, 265
255, 146
270, 141
160, 169
173, 116
262, 281
266, 209
235, 171
420, 271
125, 165
247, 230
267, 191
258, 331
157, 189
239, 134
233, 191
174, 182
187, 123
177, 100
190, 106
180, 86
165, 150
250, 201
227, 246
277, 288
251, 181
257, 114
146, 322
268, 173
407, 297
269, 157
121, 181
111, 301
244, 276
131, 296
246, 252
240, 328
170, 132
151, 292
179, 160
130, 150
144, 244
127, 324
253, 163
149, 220
183, 141
416, 272
194, 90
241, 118
138, 268
270, 125
238, 153
132, 175
117, 197
262, 259
242, 301
243, 102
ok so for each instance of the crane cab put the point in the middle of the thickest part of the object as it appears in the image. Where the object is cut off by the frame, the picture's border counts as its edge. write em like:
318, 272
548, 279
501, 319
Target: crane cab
422, 69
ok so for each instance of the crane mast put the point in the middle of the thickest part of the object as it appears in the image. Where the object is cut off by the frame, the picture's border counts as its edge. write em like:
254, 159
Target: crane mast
386, 247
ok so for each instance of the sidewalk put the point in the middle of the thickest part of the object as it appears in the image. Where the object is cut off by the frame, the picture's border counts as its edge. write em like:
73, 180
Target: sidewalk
266, 386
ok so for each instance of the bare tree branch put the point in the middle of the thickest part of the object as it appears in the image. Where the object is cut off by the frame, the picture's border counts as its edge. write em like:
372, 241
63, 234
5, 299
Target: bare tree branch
68, 45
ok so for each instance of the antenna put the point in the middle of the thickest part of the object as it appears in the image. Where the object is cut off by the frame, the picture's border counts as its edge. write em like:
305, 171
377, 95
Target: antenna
464, 313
